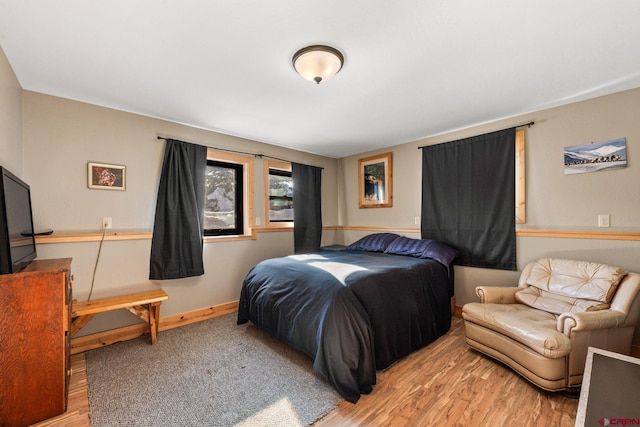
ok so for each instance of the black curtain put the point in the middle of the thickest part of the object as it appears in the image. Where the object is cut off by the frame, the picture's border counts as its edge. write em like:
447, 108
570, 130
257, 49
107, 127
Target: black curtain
176, 245
468, 198
307, 209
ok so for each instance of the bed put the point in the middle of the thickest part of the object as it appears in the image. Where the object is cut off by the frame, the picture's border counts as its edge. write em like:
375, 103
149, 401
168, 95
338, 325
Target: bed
356, 310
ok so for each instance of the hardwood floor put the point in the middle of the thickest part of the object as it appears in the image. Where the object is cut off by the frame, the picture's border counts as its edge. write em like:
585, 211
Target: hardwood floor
77, 414
444, 384
448, 384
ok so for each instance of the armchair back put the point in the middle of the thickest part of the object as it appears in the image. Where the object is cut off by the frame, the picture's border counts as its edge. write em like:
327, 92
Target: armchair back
567, 286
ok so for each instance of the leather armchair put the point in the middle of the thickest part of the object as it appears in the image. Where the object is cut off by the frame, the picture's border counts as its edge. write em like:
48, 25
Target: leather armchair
543, 327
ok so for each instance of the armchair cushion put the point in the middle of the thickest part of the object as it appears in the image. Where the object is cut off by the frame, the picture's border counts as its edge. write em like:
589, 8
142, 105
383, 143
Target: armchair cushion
535, 329
558, 304
576, 279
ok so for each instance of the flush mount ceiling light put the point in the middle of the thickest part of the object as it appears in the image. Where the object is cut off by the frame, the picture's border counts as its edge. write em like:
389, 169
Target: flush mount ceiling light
318, 63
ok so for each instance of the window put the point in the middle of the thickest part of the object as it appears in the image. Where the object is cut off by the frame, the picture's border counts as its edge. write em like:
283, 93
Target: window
278, 194
227, 195
223, 203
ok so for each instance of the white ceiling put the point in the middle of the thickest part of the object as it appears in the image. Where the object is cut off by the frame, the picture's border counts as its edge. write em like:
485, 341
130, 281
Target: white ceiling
413, 68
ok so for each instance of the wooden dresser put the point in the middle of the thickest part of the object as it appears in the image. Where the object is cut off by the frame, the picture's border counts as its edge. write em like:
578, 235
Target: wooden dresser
34, 342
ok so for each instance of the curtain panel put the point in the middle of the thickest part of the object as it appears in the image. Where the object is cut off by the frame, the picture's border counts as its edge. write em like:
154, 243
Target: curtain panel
177, 241
307, 209
468, 198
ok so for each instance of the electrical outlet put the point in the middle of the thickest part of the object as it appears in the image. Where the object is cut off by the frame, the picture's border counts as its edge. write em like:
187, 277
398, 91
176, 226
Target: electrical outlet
416, 220
106, 222
604, 221
257, 220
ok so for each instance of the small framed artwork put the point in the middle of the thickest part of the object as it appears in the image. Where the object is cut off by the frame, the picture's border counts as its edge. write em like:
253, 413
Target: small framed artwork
595, 156
374, 181
106, 177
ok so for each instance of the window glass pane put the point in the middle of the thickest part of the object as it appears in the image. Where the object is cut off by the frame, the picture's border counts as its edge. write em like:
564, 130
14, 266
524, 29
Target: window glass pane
220, 201
280, 196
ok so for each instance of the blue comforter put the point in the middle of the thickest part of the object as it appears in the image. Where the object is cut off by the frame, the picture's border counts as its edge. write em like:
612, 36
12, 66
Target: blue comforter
352, 312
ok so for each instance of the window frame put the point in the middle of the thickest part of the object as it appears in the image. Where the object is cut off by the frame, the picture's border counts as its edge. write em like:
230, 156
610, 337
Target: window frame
266, 166
520, 178
247, 164
238, 230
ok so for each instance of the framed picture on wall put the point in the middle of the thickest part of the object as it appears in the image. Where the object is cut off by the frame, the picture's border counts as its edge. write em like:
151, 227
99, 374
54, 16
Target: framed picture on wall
106, 177
374, 181
595, 156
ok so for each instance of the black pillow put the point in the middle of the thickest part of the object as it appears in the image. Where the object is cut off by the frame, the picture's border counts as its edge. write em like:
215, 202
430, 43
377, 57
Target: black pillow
423, 248
376, 242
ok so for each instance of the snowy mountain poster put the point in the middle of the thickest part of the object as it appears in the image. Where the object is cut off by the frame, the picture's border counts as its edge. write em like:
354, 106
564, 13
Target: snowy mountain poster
595, 156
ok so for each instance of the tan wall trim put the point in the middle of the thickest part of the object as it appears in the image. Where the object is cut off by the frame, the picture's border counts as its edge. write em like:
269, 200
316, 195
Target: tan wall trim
601, 235
92, 237
381, 229
598, 235
134, 235
144, 235
89, 342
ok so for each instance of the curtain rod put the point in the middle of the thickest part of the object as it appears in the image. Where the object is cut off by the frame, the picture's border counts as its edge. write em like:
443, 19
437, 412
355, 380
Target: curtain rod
511, 127
258, 156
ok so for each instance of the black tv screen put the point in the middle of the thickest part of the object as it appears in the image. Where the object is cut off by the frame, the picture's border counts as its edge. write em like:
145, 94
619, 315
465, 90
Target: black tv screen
17, 240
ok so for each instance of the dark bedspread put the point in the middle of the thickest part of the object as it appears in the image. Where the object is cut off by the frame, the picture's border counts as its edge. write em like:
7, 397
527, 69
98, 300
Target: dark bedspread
352, 312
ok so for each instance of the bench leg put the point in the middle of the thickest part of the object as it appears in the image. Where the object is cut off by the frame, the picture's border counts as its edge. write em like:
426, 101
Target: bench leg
78, 323
154, 317
150, 313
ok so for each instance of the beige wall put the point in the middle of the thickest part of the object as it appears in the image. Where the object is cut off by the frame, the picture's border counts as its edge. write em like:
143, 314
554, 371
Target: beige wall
553, 200
58, 138
61, 136
10, 118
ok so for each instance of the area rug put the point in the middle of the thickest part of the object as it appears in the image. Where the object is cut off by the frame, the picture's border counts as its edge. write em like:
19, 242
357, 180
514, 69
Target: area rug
211, 373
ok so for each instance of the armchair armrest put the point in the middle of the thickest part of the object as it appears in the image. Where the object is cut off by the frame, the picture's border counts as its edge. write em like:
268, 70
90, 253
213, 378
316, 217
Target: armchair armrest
589, 320
497, 294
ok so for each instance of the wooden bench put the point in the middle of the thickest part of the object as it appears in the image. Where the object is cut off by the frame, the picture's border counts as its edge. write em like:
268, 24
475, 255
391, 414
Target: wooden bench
145, 305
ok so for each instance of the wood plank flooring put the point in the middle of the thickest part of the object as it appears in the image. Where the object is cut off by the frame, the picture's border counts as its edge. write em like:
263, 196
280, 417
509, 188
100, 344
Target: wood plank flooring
448, 384
77, 414
445, 384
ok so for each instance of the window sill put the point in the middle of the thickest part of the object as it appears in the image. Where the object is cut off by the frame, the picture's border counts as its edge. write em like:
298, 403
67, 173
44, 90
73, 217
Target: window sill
285, 225
219, 239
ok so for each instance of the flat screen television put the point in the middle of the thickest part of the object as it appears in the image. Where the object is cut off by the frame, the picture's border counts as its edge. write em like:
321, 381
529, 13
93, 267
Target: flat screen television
17, 239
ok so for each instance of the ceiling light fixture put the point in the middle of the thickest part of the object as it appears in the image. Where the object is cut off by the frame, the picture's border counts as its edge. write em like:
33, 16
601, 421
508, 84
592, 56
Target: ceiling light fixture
318, 63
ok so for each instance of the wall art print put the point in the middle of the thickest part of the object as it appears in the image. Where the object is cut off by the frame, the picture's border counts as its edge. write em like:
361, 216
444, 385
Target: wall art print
374, 181
106, 177
595, 156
